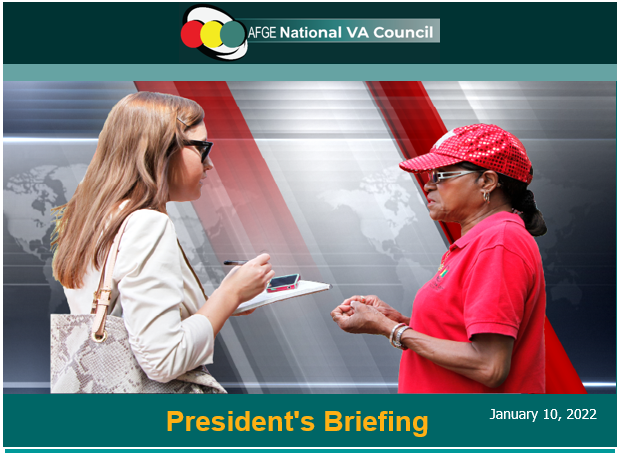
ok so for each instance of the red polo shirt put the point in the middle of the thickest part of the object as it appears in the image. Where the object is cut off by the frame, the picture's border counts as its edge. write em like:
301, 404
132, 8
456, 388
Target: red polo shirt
492, 282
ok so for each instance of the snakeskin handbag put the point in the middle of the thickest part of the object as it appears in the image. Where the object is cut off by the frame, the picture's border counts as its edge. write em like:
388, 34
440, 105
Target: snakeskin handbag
91, 353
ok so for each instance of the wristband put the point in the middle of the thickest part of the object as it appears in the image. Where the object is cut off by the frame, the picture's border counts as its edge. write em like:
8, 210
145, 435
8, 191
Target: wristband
401, 324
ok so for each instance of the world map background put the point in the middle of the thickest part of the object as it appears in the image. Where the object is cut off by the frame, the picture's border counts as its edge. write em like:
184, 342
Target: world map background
365, 223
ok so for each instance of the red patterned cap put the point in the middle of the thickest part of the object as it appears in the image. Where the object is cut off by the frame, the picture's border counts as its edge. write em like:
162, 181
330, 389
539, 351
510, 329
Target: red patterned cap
486, 145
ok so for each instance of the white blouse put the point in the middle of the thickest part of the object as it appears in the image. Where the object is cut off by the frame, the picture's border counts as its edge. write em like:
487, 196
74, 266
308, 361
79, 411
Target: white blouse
157, 294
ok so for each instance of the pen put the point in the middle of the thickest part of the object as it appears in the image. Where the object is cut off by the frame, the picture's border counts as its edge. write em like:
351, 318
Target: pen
234, 263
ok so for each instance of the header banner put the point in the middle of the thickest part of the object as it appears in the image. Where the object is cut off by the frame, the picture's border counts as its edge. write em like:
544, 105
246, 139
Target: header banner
310, 33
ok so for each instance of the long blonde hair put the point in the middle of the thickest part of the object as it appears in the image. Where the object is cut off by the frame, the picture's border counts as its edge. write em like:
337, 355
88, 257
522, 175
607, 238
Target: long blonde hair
131, 162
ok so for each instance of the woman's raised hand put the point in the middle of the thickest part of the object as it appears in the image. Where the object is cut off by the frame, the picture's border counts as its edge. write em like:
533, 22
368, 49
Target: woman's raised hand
250, 279
380, 305
357, 317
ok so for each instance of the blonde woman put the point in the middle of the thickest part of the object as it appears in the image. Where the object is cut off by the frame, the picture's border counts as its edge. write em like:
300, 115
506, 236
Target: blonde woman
153, 149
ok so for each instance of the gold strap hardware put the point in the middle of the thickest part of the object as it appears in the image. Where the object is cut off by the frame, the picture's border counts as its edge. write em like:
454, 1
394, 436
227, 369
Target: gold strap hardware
97, 293
97, 339
97, 296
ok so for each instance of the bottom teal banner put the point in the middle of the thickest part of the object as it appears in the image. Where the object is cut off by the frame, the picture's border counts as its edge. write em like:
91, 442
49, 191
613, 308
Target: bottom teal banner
308, 421
329, 450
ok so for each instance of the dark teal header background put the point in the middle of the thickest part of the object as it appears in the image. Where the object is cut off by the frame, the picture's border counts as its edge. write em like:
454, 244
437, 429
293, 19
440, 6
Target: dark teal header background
471, 33
453, 420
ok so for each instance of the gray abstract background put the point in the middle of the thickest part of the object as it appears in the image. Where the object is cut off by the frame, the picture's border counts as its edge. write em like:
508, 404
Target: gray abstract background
363, 220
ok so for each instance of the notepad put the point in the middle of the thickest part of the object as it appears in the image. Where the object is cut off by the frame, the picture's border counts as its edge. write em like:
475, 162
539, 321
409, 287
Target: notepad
304, 287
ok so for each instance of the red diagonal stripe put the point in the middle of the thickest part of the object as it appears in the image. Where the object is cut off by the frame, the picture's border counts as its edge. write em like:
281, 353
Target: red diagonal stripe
414, 122
416, 125
242, 209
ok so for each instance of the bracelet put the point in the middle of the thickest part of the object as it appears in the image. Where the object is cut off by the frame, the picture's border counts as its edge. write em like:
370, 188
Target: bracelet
401, 324
397, 341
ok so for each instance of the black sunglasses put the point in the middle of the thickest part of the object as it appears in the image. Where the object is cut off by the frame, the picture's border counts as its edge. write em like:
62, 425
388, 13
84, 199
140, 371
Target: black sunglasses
203, 147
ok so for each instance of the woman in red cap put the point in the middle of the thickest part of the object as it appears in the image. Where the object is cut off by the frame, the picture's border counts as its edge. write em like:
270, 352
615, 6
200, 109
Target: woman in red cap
478, 325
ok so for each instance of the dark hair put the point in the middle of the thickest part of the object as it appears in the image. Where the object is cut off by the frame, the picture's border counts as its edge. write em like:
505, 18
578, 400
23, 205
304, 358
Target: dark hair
520, 198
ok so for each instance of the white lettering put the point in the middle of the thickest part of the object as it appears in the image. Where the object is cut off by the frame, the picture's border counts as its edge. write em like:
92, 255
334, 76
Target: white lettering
352, 33
514, 415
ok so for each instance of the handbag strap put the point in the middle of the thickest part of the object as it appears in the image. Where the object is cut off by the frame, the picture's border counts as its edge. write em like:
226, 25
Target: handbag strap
102, 295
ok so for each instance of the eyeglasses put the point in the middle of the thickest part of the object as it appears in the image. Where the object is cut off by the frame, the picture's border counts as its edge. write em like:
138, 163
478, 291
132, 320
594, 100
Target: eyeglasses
203, 147
436, 176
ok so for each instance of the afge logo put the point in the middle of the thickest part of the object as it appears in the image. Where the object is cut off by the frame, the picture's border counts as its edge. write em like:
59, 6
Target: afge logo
214, 33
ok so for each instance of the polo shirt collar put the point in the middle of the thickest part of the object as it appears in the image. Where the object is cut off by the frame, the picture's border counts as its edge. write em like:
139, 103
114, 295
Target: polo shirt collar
485, 224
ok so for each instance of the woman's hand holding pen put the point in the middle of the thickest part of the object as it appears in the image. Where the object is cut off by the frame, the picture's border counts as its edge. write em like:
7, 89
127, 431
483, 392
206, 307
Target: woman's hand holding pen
241, 284
250, 279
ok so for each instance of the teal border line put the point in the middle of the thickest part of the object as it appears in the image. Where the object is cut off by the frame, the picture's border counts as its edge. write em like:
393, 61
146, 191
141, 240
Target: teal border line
272, 72
323, 450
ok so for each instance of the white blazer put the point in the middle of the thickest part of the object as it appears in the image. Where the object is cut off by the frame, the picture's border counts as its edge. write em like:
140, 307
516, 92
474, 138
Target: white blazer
156, 293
